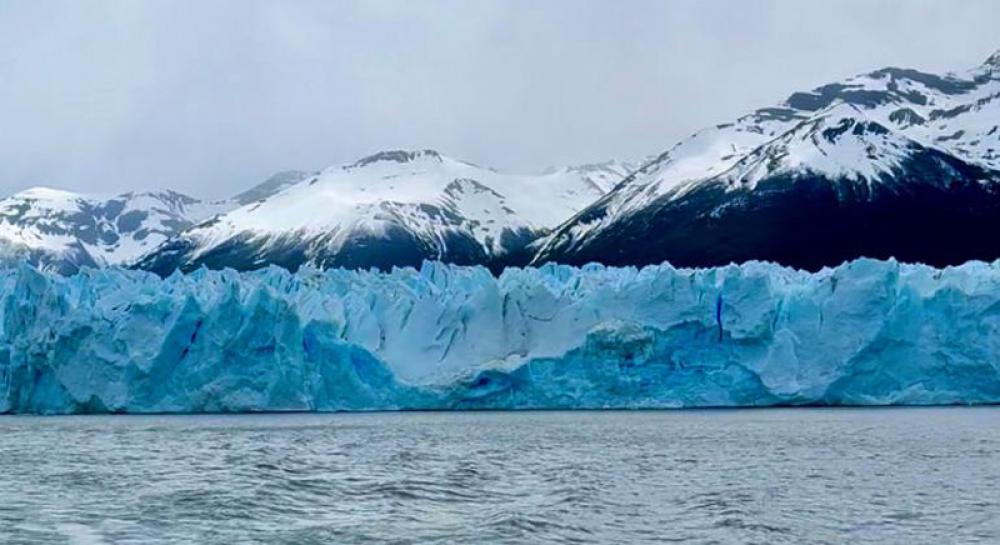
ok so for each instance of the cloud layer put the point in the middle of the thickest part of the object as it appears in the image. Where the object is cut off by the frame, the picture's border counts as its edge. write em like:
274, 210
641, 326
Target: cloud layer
210, 97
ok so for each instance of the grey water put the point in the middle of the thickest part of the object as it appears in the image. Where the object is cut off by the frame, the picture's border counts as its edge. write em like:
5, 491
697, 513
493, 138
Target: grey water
907, 476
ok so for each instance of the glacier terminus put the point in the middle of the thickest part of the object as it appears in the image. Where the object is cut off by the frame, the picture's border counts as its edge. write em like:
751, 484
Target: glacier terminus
448, 337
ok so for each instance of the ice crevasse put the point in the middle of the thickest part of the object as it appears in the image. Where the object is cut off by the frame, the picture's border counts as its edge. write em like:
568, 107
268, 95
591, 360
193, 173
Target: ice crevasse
447, 337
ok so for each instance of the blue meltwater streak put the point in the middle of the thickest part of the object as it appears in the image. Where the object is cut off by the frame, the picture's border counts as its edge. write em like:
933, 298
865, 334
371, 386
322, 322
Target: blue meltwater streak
718, 314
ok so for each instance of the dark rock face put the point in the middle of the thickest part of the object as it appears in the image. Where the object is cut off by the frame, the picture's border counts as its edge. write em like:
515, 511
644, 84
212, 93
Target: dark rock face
936, 210
74, 259
396, 156
396, 247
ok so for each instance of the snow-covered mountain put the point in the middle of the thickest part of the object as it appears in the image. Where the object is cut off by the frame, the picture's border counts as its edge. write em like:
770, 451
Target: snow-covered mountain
64, 231
392, 208
893, 163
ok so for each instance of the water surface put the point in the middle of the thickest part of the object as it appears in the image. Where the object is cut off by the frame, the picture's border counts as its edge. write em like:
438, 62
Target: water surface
907, 476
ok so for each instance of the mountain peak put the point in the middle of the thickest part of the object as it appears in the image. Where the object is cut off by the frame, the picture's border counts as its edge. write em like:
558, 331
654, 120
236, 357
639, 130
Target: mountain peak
397, 156
993, 62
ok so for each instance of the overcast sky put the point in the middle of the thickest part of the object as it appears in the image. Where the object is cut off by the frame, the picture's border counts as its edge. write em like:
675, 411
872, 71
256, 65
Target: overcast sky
210, 97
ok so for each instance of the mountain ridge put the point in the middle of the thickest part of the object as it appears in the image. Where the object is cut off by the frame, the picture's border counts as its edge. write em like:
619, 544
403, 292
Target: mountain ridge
394, 207
895, 162
895, 128
64, 231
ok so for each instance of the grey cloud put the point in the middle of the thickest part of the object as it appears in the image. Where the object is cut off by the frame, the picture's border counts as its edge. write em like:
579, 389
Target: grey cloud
210, 97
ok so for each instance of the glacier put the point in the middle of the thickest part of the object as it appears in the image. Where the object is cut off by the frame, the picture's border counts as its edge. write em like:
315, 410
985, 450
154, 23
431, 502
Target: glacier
448, 337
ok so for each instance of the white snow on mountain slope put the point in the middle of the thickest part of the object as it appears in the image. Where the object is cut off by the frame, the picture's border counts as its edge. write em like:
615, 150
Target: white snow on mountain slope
422, 191
841, 143
958, 114
51, 224
65, 230
602, 176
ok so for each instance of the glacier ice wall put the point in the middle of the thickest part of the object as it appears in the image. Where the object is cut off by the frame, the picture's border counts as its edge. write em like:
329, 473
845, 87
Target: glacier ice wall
867, 332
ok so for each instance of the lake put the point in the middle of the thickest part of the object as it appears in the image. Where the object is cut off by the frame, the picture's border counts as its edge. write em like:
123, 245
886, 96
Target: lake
769, 476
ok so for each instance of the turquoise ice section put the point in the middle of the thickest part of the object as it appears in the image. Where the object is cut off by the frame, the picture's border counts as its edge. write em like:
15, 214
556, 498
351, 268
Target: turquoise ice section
447, 337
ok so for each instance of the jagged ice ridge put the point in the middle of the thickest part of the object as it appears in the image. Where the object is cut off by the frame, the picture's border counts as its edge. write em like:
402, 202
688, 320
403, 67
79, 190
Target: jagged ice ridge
447, 337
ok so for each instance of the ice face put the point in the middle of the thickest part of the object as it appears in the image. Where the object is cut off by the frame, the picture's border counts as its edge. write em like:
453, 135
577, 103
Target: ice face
867, 332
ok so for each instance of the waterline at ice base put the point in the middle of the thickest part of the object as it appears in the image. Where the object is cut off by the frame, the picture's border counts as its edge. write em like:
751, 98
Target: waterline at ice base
448, 337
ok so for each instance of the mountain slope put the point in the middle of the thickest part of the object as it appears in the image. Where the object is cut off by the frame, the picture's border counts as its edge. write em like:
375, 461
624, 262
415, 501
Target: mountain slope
896, 162
392, 208
64, 231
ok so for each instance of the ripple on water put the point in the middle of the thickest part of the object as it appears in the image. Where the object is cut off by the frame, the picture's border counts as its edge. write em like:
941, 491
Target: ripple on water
763, 476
